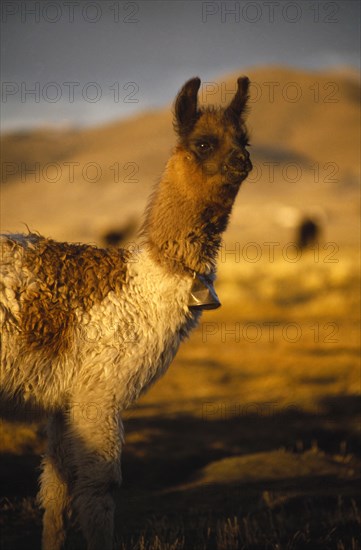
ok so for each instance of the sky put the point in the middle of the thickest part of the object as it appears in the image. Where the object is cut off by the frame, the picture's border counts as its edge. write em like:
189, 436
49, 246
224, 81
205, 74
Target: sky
81, 63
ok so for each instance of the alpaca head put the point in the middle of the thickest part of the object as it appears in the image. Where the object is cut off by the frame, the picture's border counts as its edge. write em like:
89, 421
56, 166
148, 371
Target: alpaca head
191, 206
213, 142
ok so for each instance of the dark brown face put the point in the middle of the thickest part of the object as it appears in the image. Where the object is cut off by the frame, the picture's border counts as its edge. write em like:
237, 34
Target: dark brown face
219, 149
214, 142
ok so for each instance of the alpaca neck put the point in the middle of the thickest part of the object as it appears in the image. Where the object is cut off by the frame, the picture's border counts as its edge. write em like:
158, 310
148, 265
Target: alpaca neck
182, 227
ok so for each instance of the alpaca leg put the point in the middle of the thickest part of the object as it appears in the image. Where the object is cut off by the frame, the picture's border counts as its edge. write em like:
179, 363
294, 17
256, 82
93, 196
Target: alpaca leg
53, 495
98, 476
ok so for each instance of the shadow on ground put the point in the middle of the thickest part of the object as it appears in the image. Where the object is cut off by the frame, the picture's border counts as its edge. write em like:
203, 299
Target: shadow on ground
168, 490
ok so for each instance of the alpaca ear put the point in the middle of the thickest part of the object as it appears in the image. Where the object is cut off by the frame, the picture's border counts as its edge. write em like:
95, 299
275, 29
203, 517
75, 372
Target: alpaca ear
186, 110
238, 104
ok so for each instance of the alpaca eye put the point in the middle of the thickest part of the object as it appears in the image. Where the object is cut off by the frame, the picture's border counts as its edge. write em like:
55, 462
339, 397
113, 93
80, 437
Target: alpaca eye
204, 147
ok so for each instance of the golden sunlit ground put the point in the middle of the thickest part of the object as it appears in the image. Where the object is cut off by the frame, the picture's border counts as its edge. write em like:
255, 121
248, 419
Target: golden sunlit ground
252, 436
251, 440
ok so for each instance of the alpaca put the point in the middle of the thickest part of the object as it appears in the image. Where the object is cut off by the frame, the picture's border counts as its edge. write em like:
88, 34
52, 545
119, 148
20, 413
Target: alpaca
86, 330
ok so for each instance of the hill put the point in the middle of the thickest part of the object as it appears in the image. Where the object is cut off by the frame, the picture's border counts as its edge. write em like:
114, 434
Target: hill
305, 148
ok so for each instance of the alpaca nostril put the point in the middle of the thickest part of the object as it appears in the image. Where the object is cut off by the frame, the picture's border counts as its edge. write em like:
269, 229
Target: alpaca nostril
236, 159
243, 155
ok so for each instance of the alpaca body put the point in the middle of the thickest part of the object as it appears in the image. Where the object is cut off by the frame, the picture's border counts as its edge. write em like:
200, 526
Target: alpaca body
122, 343
86, 330
119, 346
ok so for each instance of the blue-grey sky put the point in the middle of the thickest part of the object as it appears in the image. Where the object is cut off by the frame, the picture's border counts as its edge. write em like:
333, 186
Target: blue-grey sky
90, 62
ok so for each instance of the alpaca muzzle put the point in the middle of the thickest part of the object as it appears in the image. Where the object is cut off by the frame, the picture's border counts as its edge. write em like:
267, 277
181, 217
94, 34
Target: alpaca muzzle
237, 167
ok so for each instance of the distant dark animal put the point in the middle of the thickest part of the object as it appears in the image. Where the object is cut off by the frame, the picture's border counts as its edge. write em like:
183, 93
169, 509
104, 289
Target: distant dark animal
119, 236
308, 232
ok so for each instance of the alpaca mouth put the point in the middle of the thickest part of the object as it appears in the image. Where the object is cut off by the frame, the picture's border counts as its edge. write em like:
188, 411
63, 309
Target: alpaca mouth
235, 177
236, 174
